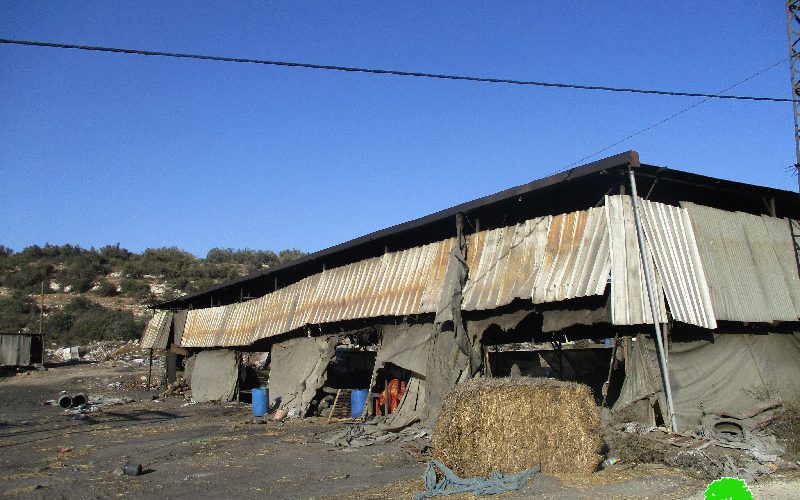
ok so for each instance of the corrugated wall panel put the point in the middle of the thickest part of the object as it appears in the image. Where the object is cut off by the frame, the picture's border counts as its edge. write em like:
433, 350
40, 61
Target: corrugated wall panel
630, 304
546, 259
157, 330
768, 268
741, 263
780, 234
670, 237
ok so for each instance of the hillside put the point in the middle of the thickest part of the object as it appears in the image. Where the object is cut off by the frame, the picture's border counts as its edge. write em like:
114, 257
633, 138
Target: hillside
104, 294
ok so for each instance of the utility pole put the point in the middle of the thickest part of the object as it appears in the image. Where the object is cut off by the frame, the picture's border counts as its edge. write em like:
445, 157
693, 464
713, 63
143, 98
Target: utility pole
793, 29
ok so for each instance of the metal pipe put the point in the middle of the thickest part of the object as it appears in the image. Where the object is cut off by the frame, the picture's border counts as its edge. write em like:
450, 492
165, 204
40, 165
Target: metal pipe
662, 361
65, 401
79, 400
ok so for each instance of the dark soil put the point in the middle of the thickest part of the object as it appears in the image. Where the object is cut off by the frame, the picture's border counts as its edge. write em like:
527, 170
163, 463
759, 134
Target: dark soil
217, 451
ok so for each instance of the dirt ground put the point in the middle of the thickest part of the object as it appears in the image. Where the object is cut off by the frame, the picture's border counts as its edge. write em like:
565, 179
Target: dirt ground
218, 451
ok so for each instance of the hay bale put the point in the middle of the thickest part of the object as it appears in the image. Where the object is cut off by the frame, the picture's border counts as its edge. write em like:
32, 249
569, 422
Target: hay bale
510, 425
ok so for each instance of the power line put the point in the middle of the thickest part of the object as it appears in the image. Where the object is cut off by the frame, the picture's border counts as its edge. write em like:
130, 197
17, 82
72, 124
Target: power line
674, 115
391, 72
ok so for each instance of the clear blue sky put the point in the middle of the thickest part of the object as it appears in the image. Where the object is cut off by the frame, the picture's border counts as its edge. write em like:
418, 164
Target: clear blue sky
148, 152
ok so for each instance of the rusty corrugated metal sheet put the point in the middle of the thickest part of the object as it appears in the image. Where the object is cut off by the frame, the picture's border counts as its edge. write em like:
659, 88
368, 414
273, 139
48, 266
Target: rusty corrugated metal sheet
396, 284
630, 304
156, 332
670, 237
746, 278
546, 259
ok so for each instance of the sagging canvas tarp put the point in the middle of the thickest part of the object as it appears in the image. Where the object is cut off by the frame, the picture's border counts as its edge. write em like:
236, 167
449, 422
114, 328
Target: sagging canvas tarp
214, 375
15, 350
559, 319
436, 361
505, 321
298, 369
405, 346
732, 374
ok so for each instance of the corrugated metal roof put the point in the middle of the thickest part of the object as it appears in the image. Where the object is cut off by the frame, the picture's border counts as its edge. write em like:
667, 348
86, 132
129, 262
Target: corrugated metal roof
709, 263
156, 332
747, 280
396, 284
546, 259
630, 304
671, 239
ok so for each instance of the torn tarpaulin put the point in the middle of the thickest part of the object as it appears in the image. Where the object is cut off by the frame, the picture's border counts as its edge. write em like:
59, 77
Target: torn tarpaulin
371, 433
297, 371
451, 484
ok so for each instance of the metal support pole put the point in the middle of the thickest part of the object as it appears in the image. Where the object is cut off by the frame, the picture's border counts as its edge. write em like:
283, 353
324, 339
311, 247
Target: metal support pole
611, 364
150, 370
651, 293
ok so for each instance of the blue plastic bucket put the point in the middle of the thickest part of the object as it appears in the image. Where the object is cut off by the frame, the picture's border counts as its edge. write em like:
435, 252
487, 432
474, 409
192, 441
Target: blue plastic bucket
358, 398
260, 401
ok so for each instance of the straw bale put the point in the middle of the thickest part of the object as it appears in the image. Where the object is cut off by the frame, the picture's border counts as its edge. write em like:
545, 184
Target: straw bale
510, 425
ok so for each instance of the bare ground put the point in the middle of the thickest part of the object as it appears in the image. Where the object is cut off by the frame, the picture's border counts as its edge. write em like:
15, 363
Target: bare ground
213, 451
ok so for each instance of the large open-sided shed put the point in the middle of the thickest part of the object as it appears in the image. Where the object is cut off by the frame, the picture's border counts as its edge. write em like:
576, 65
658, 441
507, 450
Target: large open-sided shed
569, 257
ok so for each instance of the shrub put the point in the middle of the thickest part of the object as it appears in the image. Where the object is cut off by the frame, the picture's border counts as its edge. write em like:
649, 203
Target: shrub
105, 289
17, 312
81, 321
134, 288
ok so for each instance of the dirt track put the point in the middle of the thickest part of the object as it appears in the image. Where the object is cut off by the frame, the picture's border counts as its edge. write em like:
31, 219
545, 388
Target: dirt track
216, 451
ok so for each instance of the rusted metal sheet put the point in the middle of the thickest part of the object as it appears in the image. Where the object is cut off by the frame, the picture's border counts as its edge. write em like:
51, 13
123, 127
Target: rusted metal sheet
396, 284
671, 239
630, 304
746, 278
710, 265
546, 259
156, 333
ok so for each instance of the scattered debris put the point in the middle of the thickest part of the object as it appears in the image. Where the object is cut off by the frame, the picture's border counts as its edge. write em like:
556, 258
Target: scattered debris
132, 469
89, 404
111, 352
724, 445
174, 389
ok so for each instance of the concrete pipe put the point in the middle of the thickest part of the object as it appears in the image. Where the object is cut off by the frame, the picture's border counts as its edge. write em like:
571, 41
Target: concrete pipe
65, 401
79, 400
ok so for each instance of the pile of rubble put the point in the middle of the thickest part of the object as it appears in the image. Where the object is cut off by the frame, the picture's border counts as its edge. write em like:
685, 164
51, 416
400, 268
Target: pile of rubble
112, 352
725, 444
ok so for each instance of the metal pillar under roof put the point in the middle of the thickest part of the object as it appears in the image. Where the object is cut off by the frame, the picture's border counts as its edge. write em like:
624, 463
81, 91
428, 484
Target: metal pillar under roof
793, 29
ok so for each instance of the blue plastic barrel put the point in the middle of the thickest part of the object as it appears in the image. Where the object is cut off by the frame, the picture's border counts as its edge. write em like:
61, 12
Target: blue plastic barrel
358, 398
260, 401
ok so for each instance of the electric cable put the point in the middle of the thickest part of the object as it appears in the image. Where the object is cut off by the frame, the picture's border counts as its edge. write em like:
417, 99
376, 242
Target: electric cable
392, 72
661, 122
